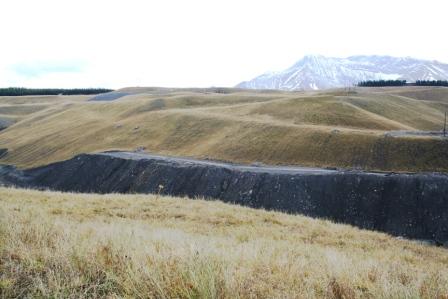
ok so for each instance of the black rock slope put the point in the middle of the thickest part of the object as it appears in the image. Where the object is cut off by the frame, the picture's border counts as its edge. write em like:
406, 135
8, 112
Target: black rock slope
414, 206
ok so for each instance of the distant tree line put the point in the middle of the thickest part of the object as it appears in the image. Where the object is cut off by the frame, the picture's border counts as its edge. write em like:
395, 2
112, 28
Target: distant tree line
20, 91
431, 83
380, 83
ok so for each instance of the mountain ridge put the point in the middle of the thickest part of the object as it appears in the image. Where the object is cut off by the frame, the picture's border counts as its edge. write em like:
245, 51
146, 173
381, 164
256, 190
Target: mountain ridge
314, 72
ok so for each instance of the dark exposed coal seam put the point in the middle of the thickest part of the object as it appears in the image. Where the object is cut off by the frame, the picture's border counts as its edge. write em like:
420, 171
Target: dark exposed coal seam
413, 206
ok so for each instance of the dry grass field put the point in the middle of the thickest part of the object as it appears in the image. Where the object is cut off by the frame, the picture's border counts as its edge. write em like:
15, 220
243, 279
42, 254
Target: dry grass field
15, 109
61, 245
327, 129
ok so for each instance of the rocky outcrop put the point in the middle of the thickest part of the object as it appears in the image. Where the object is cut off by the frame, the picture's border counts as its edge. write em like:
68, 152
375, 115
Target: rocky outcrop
409, 205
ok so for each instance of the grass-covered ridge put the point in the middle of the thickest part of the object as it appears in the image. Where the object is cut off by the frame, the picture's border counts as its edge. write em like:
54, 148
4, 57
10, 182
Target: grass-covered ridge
84, 245
328, 128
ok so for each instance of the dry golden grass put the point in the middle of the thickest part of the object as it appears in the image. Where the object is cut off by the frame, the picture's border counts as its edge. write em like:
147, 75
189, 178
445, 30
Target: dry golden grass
15, 109
329, 128
60, 245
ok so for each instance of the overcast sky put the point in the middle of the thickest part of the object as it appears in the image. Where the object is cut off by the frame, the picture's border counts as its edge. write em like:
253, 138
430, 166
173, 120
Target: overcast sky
92, 43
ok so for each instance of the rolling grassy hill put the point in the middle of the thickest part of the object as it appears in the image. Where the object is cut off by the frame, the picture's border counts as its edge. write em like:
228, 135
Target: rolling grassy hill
14, 109
331, 128
146, 246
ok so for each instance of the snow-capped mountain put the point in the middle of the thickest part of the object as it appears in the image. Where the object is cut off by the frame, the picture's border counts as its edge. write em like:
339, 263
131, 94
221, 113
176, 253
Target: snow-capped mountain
320, 72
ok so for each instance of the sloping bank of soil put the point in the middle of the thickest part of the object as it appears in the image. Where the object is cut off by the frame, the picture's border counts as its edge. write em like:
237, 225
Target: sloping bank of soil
410, 205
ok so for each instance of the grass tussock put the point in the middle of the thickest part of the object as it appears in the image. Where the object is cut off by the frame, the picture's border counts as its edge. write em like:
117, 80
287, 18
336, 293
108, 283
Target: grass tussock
146, 246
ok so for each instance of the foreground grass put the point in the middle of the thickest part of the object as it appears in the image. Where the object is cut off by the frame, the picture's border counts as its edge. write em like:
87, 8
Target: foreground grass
80, 245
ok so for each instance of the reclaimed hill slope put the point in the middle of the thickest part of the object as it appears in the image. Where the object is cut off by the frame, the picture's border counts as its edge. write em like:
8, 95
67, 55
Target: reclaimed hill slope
321, 129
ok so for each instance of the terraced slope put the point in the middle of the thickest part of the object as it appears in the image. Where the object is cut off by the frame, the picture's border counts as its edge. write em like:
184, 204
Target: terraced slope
333, 128
412, 206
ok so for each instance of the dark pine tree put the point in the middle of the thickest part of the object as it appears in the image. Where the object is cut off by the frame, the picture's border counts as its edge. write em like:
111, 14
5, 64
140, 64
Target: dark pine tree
19, 91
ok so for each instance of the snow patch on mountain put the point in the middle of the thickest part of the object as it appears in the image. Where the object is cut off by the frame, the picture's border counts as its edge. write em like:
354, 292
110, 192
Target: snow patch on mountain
314, 72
